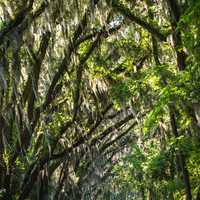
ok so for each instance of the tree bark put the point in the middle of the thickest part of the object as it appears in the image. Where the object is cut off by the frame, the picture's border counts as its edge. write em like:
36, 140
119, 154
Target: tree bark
181, 159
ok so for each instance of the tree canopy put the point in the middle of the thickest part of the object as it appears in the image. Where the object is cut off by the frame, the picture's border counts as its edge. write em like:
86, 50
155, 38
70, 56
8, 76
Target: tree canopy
99, 99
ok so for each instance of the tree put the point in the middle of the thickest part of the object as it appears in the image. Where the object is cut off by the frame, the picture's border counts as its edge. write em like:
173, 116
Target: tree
89, 88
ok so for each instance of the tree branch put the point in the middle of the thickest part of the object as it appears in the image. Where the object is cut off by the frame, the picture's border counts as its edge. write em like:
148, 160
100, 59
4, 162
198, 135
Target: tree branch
128, 14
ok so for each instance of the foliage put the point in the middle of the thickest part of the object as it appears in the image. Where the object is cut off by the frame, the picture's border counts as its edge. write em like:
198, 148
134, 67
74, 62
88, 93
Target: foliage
99, 99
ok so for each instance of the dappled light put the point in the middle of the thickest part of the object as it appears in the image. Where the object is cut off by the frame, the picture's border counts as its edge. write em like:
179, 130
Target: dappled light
99, 100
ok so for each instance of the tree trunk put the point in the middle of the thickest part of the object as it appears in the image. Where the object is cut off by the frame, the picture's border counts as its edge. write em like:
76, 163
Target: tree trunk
181, 159
150, 194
